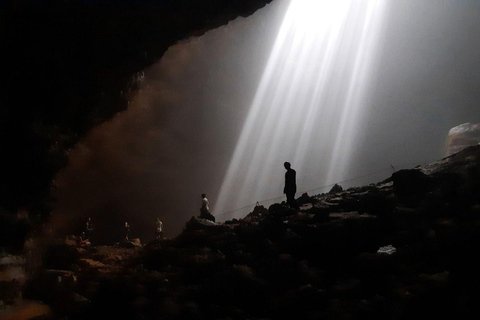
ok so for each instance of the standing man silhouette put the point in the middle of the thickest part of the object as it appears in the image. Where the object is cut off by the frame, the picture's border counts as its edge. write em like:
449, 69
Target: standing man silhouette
158, 229
89, 229
290, 186
127, 231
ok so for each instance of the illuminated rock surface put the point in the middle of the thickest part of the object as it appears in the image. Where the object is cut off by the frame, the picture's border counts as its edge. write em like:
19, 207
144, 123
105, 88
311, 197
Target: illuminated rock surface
462, 136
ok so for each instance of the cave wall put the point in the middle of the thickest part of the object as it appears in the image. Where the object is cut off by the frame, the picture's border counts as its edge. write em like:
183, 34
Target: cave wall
68, 66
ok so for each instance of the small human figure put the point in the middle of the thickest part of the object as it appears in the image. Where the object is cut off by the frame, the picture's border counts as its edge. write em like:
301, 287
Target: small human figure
89, 228
83, 240
205, 204
290, 186
158, 229
127, 231
205, 209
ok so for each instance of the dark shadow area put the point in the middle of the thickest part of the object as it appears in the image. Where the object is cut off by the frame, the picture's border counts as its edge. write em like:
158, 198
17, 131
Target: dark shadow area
404, 248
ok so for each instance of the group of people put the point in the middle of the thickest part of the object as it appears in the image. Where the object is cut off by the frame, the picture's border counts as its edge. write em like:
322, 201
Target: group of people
289, 190
86, 236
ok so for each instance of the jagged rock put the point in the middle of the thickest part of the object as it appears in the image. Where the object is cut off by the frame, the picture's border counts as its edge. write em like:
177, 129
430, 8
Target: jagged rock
233, 221
320, 212
410, 182
306, 207
304, 199
207, 216
299, 217
198, 223
375, 202
256, 214
278, 210
335, 189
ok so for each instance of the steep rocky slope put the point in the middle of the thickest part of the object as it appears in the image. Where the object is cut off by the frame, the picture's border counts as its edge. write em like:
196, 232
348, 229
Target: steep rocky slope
404, 248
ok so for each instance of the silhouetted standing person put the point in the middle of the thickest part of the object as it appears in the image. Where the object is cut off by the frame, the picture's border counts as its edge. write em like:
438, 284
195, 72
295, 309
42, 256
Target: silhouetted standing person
158, 229
290, 186
127, 231
89, 229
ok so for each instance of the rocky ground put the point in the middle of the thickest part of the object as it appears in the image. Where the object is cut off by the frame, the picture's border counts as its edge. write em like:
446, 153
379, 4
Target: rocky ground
404, 248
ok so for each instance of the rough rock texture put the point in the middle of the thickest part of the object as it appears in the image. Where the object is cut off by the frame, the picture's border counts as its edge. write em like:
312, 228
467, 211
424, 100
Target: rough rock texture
336, 188
462, 136
380, 251
70, 65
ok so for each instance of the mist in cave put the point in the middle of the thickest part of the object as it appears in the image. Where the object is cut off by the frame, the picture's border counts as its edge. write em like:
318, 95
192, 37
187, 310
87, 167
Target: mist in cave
220, 113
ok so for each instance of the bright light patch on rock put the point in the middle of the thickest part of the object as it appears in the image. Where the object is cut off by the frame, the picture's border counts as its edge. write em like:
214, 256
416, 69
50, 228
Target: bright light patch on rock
462, 136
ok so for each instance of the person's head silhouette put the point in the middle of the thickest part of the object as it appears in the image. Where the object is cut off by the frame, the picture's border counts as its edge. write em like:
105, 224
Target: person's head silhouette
287, 165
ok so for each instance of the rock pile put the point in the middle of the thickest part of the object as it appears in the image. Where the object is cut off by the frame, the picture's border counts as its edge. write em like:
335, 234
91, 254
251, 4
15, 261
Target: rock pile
400, 249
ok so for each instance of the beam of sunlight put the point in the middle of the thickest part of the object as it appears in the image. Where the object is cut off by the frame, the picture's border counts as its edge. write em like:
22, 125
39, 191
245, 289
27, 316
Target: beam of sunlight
309, 101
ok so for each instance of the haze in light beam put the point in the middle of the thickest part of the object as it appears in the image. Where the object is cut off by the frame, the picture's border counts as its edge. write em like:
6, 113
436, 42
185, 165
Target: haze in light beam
308, 105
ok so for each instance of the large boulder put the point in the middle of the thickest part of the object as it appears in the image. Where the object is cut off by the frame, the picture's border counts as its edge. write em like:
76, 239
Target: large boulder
410, 182
196, 223
462, 136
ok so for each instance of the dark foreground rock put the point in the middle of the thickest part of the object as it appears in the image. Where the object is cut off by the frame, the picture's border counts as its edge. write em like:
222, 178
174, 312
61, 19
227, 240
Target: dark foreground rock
405, 248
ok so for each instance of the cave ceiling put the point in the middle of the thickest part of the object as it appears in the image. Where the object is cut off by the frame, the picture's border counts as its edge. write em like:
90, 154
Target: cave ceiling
70, 65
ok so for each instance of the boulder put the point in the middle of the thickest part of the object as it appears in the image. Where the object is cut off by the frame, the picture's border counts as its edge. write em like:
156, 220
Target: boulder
335, 189
410, 182
207, 216
256, 214
278, 210
462, 136
304, 199
196, 223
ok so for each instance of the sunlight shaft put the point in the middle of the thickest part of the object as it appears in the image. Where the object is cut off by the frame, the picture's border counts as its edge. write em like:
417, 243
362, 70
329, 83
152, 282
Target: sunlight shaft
308, 103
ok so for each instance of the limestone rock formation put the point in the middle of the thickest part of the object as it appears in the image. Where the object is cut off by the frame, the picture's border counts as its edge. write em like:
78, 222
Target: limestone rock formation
462, 136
